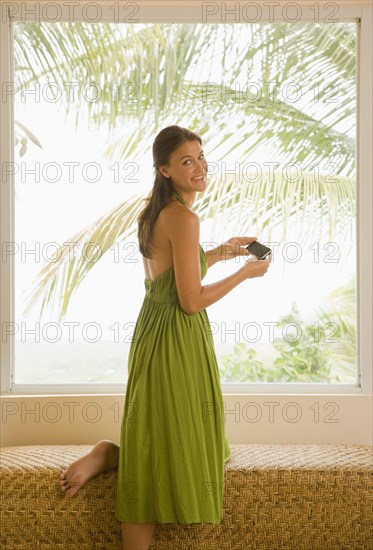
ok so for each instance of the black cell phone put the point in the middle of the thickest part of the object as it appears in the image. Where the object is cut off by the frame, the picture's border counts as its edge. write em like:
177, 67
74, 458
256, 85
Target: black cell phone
258, 249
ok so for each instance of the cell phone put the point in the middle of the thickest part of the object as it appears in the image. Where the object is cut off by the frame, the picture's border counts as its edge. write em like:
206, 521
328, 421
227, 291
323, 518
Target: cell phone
258, 249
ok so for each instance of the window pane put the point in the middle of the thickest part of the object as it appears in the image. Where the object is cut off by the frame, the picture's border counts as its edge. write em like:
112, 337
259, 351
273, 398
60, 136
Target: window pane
276, 107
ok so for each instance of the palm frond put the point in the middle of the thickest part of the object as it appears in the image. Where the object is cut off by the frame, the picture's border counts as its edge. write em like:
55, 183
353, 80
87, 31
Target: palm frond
266, 204
160, 62
150, 67
59, 279
23, 135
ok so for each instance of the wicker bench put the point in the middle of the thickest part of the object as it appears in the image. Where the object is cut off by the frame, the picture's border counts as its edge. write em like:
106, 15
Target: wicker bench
276, 497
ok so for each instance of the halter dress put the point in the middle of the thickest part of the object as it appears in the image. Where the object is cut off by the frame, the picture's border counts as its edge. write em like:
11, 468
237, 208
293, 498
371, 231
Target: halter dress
173, 445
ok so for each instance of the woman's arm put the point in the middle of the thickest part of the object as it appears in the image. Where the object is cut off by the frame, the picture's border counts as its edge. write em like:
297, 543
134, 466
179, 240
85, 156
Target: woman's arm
194, 297
213, 255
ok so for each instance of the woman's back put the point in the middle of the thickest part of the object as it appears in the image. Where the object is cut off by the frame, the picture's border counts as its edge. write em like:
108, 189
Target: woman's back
162, 258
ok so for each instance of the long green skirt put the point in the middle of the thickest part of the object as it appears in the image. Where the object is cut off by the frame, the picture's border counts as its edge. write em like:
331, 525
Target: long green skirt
173, 445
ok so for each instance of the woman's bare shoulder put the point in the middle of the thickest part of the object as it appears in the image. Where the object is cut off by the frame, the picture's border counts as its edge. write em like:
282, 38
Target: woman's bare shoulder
177, 214
182, 223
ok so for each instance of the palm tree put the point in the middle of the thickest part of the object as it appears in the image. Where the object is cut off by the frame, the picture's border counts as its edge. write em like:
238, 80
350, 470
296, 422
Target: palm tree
161, 64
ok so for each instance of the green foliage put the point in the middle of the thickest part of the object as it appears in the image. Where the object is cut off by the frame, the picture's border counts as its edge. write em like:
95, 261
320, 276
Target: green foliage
321, 352
242, 366
304, 356
341, 309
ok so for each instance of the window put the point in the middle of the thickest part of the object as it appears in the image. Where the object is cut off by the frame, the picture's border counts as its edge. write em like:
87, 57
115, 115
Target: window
275, 103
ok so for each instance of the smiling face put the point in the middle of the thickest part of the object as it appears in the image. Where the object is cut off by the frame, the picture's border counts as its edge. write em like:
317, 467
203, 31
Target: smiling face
187, 168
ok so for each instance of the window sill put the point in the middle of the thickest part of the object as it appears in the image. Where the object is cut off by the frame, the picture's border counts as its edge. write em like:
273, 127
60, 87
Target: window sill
276, 418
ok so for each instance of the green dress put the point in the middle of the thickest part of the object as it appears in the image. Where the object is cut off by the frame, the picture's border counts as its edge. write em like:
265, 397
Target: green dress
173, 446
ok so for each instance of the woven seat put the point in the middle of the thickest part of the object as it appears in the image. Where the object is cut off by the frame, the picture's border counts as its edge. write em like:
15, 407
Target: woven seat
276, 497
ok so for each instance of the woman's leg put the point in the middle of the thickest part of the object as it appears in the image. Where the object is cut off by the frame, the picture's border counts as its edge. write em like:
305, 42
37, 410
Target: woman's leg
104, 456
137, 536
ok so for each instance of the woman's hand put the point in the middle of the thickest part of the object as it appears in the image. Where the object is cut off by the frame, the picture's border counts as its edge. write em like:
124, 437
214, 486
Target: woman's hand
255, 267
235, 246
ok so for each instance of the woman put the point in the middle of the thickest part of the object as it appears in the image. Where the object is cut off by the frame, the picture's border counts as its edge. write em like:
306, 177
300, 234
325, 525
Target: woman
173, 446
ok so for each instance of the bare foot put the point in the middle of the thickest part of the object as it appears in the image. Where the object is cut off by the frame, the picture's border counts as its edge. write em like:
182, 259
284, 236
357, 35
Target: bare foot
103, 456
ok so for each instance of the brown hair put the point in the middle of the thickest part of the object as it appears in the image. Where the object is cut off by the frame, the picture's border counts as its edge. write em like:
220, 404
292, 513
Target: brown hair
165, 143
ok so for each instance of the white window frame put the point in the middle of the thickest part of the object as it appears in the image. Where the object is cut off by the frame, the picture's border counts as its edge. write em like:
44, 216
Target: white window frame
191, 11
